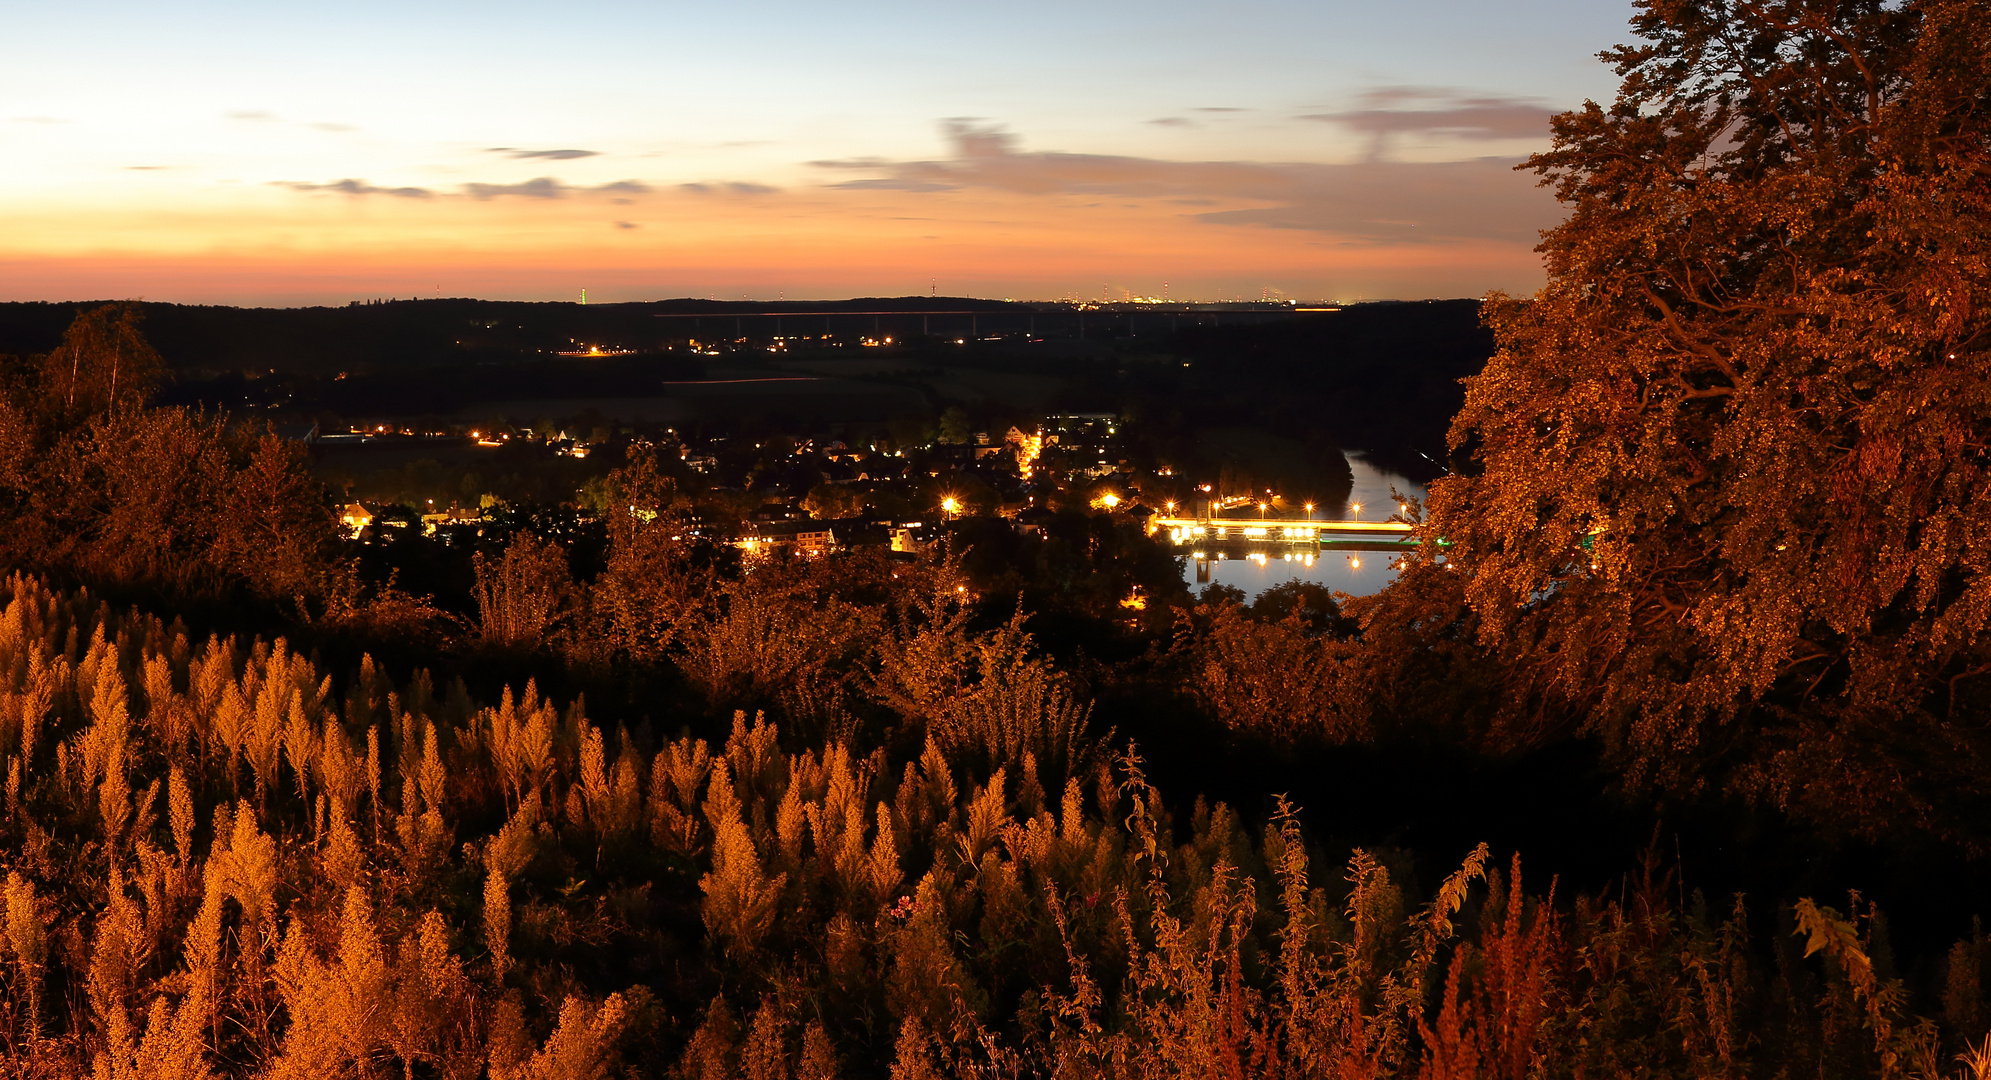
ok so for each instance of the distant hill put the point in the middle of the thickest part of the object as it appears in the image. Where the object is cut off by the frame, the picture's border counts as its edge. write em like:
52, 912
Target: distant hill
1377, 377
402, 333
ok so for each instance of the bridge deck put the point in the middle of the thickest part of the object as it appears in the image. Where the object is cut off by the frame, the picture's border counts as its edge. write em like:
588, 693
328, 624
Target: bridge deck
1220, 528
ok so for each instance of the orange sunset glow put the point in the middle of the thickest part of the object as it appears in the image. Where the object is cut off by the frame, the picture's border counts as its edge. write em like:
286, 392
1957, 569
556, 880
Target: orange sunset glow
297, 158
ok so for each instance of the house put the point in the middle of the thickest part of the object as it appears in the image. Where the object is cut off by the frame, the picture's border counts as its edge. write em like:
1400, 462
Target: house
815, 541
355, 518
912, 537
455, 515
810, 538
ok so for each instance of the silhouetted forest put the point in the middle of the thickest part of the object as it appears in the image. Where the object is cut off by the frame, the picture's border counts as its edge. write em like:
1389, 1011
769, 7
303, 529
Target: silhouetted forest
1698, 625
1381, 378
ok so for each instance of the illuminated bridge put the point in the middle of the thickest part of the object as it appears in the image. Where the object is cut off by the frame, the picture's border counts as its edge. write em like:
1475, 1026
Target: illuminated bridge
1219, 530
1261, 540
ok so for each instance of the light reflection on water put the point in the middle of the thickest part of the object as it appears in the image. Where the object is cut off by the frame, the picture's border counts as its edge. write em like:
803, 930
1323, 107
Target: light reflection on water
1356, 572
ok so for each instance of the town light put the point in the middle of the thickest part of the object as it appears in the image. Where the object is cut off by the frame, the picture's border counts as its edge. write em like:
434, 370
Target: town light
951, 504
1111, 500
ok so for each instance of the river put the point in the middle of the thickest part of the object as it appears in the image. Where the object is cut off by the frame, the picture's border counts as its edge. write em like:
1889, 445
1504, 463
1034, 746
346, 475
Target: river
1355, 572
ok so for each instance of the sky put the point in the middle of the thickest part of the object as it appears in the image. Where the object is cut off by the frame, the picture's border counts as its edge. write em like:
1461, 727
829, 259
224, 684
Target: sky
278, 154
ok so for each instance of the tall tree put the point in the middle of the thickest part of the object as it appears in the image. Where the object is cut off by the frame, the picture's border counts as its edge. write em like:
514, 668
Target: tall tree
104, 361
1730, 508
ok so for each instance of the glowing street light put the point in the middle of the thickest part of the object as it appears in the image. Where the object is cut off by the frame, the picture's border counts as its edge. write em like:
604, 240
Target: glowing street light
1111, 500
1357, 508
950, 504
1310, 511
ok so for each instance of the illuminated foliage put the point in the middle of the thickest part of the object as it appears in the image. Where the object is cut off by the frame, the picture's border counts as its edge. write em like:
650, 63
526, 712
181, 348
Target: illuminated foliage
521, 595
1730, 501
784, 912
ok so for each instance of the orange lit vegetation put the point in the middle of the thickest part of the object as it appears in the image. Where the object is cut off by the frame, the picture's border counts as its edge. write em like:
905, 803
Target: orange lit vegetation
224, 860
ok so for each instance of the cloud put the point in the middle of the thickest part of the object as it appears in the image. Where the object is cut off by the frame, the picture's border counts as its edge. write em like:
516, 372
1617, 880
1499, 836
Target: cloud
890, 183
1374, 201
251, 114
546, 155
627, 225
547, 187
358, 187
1173, 122
146, 168
737, 187
542, 187
329, 126
1218, 109
1460, 117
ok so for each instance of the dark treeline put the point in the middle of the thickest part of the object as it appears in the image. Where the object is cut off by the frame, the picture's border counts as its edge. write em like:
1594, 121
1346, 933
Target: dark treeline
398, 333
1703, 611
1381, 378
1347, 377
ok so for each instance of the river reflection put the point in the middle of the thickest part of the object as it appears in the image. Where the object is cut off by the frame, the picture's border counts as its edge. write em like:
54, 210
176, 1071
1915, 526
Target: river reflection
1352, 571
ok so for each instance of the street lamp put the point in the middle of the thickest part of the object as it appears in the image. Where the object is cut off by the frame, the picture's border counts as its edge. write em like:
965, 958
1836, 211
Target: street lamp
1111, 500
1261, 511
950, 505
1357, 507
1310, 512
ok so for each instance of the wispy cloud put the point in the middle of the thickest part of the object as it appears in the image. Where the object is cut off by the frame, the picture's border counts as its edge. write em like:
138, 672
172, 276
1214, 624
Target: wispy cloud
547, 187
257, 115
1390, 111
358, 187
542, 187
544, 155
627, 225
736, 187
1373, 201
327, 125
1173, 122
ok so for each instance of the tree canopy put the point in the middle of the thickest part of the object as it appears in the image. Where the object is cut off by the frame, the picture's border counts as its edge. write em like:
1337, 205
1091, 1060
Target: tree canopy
1730, 502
